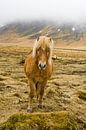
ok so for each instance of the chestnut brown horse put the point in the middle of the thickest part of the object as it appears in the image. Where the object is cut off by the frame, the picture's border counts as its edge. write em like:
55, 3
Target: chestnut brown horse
38, 68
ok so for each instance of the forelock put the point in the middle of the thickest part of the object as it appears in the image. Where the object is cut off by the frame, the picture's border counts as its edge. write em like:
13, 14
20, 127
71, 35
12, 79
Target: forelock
42, 42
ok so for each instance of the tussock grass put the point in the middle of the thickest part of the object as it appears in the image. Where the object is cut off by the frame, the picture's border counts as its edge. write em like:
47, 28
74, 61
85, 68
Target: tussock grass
82, 94
40, 121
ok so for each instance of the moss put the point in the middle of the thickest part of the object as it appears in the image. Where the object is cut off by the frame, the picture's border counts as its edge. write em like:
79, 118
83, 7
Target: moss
39, 121
82, 94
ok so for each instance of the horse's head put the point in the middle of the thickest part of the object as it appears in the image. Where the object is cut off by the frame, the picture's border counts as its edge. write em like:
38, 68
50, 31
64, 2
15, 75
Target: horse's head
42, 51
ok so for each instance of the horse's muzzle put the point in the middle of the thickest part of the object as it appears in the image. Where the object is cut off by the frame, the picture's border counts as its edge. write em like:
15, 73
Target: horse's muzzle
42, 66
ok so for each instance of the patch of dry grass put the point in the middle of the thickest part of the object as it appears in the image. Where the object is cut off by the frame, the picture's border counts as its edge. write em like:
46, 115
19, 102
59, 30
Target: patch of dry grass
68, 78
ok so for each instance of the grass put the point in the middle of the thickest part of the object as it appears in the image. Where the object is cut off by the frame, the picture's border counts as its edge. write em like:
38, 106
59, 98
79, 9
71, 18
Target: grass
60, 99
40, 121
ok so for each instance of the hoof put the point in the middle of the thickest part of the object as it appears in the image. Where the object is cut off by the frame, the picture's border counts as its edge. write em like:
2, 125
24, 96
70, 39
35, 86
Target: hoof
29, 110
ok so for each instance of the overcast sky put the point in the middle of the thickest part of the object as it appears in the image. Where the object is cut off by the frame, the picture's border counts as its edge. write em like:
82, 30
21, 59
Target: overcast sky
61, 10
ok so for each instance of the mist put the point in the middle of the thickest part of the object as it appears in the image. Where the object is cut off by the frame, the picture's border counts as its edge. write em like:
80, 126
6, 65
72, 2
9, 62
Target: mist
56, 10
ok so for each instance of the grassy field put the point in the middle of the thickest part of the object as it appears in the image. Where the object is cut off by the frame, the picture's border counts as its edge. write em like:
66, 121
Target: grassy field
65, 91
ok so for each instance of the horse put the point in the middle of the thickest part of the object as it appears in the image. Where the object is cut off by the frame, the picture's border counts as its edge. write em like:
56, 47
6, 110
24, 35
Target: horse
38, 68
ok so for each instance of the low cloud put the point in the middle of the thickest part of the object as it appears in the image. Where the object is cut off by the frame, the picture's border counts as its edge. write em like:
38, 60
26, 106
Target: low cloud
60, 10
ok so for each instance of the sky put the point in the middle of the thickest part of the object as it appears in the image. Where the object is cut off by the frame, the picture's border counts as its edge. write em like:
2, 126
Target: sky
57, 10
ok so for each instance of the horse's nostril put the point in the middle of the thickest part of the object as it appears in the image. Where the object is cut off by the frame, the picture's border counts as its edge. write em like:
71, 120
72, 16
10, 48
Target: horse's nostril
40, 65
44, 65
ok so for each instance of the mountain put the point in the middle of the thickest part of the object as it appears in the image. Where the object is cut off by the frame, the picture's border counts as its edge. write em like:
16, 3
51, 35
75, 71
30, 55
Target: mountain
33, 29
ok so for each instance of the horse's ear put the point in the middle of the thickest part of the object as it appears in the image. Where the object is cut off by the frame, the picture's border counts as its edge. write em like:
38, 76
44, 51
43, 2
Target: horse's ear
50, 39
37, 38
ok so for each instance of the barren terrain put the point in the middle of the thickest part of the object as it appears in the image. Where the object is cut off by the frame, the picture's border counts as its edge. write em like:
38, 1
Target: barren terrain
65, 91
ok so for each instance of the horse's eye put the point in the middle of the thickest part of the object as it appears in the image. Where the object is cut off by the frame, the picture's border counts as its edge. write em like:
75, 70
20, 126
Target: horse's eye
38, 51
48, 52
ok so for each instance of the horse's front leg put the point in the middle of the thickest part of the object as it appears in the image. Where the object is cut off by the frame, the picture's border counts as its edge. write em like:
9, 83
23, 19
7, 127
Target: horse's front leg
43, 84
31, 95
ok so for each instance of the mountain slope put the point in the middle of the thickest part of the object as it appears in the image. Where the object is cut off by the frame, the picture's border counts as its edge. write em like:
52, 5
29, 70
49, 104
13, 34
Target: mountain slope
69, 35
36, 28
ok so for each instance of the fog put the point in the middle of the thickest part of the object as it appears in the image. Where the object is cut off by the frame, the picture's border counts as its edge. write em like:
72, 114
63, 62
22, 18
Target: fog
57, 10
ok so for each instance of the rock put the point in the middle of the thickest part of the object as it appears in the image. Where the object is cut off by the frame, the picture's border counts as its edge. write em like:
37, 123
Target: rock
54, 57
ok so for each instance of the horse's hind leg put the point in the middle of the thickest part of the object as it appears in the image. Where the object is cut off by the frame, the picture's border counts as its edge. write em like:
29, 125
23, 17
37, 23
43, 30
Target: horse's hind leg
31, 95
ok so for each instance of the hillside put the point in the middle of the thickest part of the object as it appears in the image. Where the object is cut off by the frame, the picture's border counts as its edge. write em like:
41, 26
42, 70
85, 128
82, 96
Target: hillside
67, 35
